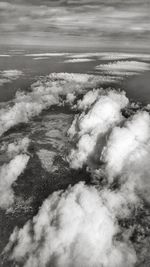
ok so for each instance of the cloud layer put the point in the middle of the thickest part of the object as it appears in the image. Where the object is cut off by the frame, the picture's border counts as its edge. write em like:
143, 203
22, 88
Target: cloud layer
124, 68
76, 23
74, 228
95, 124
8, 175
6, 76
50, 90
18, 158
80, 226
112, 146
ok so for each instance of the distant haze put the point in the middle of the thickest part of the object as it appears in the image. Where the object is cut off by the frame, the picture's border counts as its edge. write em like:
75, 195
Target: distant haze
109, 24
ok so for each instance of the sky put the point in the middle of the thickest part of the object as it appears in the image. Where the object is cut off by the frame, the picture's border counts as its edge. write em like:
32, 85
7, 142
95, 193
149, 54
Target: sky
102, 24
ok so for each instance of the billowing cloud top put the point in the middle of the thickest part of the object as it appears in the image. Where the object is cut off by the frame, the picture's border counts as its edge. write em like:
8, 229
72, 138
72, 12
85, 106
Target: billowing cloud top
76, 23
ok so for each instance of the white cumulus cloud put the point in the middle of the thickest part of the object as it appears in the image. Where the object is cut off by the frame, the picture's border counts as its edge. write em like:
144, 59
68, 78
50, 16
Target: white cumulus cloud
72, 228
8, 175
45, 93
104, 114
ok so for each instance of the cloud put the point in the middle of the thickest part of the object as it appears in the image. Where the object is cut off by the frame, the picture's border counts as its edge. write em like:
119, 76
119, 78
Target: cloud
40, 58
6, 76
80, 226
45, 93
16, 153
109, 56
47, 55
126, 154
75, 23
72, 228
8, 175
104, 114
135, 133
124, 67
84, 55
123, 56
88, 99
11, 74
113, 147
3, 81
78, 60
4, 55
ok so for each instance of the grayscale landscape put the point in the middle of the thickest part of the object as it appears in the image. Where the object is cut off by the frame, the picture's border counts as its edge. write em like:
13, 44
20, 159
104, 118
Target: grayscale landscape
74, 133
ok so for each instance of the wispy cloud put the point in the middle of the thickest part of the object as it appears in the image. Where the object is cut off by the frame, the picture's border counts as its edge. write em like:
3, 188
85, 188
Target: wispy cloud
6, 76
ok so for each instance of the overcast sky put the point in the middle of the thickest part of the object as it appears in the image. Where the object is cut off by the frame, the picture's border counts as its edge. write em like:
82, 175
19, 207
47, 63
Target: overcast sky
123, 24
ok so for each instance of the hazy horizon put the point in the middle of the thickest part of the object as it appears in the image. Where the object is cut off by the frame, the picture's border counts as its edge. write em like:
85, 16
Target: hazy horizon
109, 25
